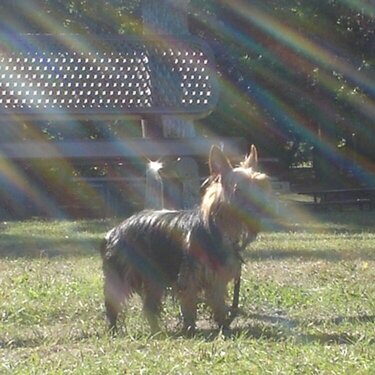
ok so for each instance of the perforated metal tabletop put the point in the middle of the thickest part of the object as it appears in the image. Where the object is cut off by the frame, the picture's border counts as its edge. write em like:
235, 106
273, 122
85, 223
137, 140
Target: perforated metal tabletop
55, 76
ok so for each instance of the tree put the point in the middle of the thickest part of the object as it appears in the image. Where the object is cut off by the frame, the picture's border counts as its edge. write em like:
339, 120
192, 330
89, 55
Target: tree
297, 70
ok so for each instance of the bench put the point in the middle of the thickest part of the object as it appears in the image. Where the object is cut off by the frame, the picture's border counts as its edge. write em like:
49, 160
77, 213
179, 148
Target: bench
360, 197
164, 81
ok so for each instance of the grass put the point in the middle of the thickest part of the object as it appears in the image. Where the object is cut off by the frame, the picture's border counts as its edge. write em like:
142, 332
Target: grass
307, 305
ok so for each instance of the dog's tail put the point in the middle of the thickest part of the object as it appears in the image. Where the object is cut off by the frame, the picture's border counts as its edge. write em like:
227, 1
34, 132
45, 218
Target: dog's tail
106, 241
103, 247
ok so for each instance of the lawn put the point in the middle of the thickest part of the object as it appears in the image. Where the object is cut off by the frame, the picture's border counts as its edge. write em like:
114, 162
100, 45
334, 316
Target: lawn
307, 304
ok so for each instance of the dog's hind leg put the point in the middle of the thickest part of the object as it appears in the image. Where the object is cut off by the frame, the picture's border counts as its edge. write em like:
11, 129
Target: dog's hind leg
112, 311
152, 305
116, 292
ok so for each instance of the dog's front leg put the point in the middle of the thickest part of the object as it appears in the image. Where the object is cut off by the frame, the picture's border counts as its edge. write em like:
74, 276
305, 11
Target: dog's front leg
188, 299
215, 295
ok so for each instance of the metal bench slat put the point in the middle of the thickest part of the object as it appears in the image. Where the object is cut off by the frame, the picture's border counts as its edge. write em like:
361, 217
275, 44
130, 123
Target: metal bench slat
58, 77
130, 148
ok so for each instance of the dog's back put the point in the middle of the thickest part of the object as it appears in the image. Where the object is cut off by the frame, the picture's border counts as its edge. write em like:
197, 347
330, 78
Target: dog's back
149, 245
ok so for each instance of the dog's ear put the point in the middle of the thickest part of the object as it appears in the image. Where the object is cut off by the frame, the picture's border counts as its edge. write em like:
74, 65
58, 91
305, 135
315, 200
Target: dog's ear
251, 160
218, 162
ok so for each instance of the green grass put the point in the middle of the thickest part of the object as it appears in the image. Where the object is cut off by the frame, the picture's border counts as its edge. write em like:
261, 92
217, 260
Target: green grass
307, 305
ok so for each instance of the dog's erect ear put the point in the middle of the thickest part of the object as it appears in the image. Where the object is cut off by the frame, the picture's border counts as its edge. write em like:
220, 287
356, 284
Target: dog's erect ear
251, 160
218, 162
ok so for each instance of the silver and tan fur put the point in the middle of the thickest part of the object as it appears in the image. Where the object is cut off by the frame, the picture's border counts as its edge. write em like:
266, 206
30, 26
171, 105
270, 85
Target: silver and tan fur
191, 251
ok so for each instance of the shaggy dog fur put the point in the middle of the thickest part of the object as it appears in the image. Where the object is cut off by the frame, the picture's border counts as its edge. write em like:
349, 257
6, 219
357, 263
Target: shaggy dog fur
190, 250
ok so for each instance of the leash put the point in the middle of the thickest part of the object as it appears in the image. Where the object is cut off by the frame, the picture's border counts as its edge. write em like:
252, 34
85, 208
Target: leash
236, 296
246, 239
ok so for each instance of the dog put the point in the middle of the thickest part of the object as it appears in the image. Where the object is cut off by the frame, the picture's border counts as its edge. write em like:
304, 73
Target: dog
188, 251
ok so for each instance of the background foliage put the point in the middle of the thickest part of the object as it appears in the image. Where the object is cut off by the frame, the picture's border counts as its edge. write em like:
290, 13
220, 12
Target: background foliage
297, 75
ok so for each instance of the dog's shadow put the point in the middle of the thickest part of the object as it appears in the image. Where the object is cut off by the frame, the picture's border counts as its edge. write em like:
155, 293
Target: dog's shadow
277, 328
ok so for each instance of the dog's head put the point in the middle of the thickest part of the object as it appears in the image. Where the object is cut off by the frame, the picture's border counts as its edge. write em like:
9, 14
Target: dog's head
239, 196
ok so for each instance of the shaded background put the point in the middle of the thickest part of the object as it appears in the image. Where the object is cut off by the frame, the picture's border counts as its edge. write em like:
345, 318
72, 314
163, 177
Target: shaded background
297, 79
